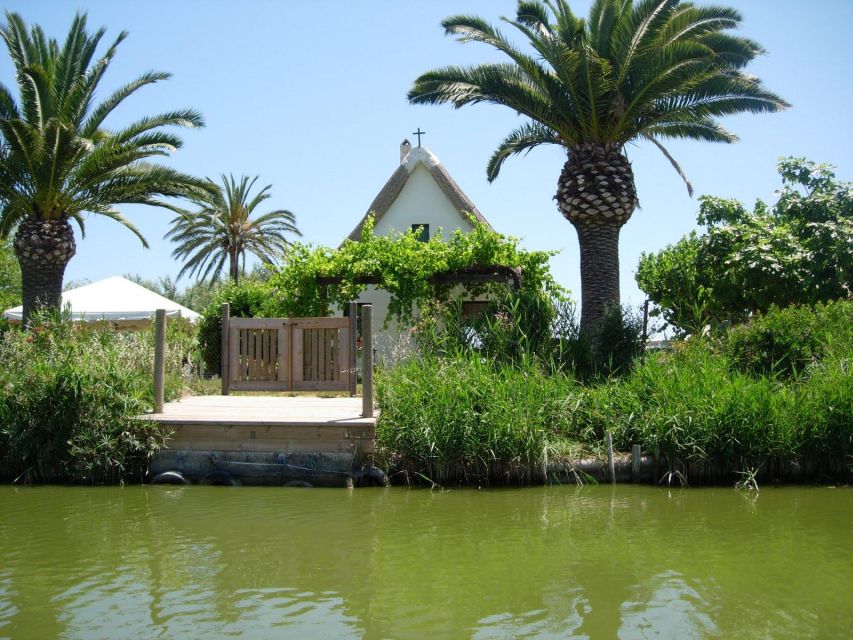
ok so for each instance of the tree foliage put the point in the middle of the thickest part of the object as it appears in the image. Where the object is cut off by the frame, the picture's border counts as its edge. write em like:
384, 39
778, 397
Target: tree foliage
57, 158
223, 230
797, 251
10, 278
645, 70
659, 69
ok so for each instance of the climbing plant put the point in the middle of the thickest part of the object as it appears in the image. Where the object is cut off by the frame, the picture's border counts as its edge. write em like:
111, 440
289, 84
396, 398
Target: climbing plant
403, 265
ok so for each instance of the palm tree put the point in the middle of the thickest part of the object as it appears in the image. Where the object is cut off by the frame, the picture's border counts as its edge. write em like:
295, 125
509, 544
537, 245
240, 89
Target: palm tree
223, 229
647, 70
58, 161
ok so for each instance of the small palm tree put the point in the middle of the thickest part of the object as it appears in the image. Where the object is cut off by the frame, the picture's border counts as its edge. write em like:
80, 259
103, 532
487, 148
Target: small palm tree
223, 229
646, 70
57, 159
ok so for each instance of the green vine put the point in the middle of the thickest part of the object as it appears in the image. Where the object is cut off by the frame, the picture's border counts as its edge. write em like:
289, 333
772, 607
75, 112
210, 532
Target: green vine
405, 266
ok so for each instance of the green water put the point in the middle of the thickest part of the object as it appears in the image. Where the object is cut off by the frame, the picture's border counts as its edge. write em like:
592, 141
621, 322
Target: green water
597, 562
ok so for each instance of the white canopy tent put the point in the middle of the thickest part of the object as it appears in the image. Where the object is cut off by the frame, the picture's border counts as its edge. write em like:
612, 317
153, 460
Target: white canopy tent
116, 300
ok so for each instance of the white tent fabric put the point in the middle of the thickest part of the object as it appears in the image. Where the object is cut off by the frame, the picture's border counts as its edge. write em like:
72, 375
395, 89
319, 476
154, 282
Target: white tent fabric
115, 299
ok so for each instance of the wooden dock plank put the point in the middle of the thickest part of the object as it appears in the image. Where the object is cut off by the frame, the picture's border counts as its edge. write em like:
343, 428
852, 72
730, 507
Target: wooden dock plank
269, 409
267, 424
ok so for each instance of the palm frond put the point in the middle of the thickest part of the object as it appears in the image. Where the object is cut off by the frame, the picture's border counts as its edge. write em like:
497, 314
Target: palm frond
223, 229
658, 67
127, 224
521, 140
58, 161
672, 161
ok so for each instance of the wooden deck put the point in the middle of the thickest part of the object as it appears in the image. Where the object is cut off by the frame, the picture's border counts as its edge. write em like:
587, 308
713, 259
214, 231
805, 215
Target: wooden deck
267, 424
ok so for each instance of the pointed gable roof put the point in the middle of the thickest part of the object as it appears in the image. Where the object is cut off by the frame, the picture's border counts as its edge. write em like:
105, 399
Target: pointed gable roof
419, 156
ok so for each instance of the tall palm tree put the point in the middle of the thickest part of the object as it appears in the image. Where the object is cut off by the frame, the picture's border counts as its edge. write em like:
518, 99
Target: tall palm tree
223, 229
646, 70
58, 160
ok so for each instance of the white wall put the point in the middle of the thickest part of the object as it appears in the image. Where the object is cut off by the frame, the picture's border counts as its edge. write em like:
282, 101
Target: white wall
422, 201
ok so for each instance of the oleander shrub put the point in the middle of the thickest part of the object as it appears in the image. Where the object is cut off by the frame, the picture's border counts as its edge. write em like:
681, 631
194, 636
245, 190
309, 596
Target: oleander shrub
70, 399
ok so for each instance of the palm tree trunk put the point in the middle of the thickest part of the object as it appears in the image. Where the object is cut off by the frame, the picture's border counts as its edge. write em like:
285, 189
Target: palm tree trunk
233, 267
596, 193
43, 248
599, 249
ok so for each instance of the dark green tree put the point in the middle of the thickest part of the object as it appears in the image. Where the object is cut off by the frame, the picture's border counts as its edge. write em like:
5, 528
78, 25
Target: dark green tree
10, 278
222, 229
797, 251
59, 161
633, 71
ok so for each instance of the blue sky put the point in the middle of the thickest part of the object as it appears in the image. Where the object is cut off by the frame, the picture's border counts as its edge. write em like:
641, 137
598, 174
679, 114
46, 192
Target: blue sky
311, 96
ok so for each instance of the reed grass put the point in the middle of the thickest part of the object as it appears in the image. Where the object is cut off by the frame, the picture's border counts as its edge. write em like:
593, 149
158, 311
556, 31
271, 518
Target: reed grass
461, 413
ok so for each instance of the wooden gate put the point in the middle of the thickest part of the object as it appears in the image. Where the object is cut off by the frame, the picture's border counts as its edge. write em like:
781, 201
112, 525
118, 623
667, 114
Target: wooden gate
288, 354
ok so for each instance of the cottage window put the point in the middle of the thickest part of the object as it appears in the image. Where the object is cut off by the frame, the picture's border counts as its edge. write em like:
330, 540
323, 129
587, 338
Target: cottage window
423, 230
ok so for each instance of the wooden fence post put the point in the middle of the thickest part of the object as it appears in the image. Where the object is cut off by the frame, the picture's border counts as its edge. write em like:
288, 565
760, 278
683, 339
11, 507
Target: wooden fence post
636, 460
610, 465
223, 358
159, 359
367, 360
353, 346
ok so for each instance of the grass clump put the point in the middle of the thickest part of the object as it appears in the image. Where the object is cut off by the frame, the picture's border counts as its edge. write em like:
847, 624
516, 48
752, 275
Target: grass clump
70, 397
697, 407
451, 418
715, 409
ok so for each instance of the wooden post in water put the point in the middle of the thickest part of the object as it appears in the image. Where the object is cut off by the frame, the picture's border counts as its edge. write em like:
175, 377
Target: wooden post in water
353, 339
159, 359
223, 358
367, 360
636, 458
610, 466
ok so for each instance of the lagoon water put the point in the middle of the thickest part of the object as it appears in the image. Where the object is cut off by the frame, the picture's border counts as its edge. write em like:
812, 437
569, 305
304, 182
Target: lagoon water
554, 562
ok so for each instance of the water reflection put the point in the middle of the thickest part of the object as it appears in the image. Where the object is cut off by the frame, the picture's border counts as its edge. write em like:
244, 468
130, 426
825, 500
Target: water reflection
673, 609
627, 562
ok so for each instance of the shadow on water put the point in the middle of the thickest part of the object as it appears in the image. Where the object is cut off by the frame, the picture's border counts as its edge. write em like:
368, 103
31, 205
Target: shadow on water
541, 562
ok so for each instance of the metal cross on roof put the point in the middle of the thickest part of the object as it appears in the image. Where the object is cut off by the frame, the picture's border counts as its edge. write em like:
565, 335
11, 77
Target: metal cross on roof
418, 133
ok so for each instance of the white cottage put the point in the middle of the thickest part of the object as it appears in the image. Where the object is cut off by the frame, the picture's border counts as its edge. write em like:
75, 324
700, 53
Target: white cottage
419, 194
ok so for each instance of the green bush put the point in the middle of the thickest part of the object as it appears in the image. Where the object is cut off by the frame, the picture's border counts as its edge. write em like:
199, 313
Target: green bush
786, 341
799, 250
245, 300
70, 399
522, 326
